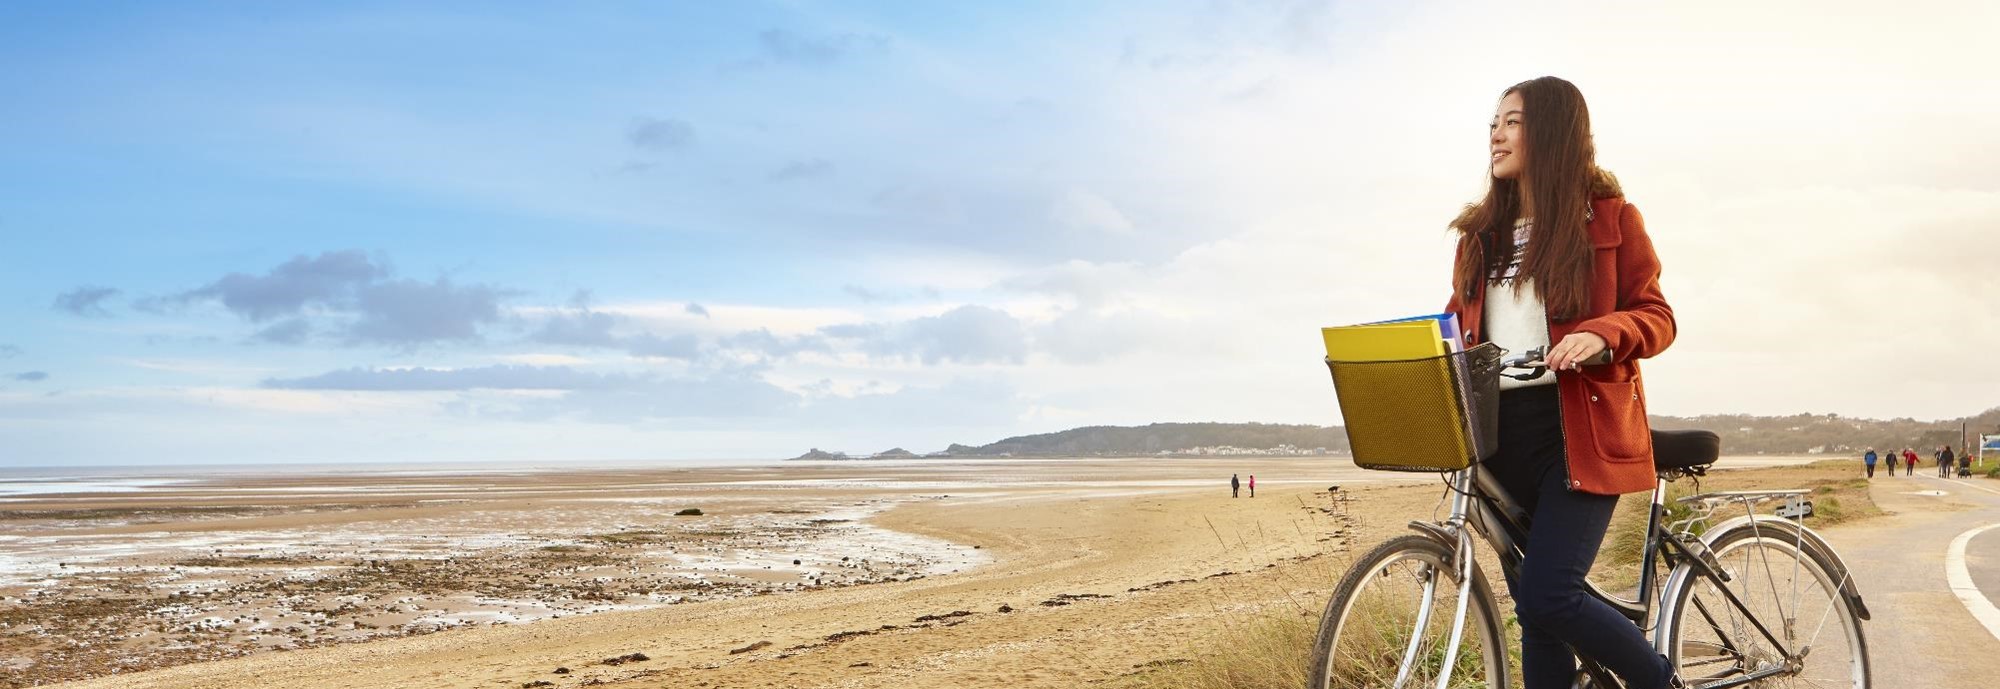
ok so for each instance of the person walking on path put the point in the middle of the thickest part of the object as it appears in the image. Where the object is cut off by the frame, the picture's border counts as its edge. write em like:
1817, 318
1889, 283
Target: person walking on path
1234, 485
1253, 485
1890, 454
1910, 455
1869, 459
1945, 461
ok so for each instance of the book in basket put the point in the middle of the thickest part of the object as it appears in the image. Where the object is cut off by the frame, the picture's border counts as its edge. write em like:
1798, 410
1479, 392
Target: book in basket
1403, 393
1404, 338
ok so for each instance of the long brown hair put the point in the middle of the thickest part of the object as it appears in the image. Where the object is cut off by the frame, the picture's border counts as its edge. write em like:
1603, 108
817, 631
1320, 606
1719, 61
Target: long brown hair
1563, 177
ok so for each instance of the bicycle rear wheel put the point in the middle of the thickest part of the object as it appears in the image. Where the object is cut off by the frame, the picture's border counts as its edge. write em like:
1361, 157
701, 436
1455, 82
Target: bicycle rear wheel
1792, 592
1396, 604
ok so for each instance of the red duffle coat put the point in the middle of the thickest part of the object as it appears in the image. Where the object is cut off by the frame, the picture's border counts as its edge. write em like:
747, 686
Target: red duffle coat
1608, 443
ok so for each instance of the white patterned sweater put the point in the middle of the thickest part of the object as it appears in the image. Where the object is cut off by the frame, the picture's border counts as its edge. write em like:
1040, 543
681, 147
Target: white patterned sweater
1515, 319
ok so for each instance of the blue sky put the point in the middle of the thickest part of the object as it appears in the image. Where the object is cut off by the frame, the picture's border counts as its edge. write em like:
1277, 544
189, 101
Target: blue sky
352, 232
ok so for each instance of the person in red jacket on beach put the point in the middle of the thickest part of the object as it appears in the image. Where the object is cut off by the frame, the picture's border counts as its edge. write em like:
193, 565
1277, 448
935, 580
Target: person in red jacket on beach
1555, 258
1253, 485
1910, 455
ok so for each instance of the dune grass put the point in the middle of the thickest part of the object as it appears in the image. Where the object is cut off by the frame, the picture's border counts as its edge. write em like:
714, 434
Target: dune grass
1271, 648
1270, 644
1267, 650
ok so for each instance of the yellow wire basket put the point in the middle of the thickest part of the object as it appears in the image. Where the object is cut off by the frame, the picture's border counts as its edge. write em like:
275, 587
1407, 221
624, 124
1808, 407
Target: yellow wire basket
1432, 414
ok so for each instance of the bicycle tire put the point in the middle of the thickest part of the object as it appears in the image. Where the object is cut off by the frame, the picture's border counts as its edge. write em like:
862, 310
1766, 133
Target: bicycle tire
1483, 647
1804, 559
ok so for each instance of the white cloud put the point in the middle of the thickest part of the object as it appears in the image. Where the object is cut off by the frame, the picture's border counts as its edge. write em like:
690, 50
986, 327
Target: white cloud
401, 313
724, 318
219, 368
1088, 336
1081, 210
130, 404
968, 334
543, 359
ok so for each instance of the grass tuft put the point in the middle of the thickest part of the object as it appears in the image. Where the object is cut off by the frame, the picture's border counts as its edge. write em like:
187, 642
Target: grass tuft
1268, 650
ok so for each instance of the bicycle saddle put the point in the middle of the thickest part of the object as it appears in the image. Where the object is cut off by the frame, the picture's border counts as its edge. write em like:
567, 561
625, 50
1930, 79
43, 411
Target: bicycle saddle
1675, 450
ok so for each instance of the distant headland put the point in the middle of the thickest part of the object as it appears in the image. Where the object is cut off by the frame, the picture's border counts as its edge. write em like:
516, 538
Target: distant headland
1797, 434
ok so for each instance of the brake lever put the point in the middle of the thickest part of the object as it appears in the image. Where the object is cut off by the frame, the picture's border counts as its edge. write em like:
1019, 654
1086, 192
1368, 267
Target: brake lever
1532, 360
1535, 361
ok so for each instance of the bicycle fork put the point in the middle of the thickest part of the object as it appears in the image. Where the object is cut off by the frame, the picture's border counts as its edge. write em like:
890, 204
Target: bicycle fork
1462, 559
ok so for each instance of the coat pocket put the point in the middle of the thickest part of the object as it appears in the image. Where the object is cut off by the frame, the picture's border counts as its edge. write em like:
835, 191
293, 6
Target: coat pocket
1618, 420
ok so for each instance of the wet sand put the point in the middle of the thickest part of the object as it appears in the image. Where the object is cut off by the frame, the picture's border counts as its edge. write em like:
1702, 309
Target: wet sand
980, 573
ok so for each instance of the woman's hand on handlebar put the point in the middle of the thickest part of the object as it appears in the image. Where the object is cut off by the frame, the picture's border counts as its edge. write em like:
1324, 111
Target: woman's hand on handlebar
1575, 350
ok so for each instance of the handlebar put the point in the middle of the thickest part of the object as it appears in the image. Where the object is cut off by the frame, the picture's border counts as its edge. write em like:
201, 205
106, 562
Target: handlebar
1534, 363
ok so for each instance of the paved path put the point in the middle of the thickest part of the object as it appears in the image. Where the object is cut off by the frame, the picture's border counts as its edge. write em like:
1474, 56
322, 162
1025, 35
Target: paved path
1922, 635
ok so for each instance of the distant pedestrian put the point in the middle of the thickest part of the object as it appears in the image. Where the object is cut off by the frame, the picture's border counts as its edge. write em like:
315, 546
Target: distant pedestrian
1910, 455
1894, 459
1235, 485
1870, 459
1945, 460
1253, 485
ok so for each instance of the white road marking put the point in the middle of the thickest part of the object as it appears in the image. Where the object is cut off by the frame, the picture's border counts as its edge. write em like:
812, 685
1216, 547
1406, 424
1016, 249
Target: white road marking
1960, 581
1966, 483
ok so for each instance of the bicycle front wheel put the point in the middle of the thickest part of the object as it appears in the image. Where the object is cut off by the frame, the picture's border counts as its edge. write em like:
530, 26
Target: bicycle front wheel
1810, 636
1389, 623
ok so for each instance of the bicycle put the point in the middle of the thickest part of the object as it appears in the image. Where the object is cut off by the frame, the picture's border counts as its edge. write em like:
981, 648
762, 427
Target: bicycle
1744, 603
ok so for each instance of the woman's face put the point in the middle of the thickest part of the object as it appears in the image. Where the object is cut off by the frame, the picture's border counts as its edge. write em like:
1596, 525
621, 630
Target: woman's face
1509, 145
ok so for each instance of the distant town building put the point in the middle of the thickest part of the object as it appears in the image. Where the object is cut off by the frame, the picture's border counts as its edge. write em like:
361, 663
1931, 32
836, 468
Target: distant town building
1231, 450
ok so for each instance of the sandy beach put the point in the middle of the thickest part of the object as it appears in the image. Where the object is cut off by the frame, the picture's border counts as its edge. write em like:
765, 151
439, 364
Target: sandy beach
1062, 572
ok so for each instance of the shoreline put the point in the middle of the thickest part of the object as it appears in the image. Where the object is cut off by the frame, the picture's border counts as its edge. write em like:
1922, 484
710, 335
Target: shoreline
112, 583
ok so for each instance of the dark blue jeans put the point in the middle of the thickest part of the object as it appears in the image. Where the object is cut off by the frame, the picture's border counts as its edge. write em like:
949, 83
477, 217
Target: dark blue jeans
1555, 612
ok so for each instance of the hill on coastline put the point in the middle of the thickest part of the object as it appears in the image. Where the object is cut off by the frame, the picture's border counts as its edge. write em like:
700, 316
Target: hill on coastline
1173, 438
1741, 434
823, 455
1151, 439
1832, 433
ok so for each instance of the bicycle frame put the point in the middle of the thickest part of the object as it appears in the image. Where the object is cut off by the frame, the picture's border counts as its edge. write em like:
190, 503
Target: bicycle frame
1502, 523
1480, 504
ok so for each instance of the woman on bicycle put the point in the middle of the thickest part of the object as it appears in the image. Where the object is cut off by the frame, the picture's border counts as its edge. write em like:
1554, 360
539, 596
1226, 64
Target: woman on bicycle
1554, 257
